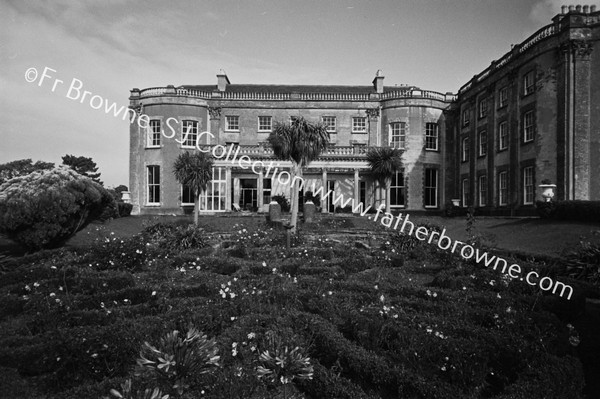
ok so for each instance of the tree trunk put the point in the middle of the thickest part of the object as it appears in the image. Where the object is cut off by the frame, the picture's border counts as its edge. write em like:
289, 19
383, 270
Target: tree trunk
296, 171
387, 197
196, 207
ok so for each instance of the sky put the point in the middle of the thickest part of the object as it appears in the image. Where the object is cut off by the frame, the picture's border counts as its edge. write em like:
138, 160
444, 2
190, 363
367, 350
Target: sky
109, 47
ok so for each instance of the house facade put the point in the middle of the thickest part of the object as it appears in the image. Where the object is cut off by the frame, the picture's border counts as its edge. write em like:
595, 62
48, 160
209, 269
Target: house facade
533, 115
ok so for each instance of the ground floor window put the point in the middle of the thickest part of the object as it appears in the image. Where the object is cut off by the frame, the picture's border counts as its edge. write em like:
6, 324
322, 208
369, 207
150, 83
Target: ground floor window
153, 184
398, 190
187, 195
267, 186
502, 188
482, 190
528, 185
213, 198
431, 188
248, 194
363, 192
465, 192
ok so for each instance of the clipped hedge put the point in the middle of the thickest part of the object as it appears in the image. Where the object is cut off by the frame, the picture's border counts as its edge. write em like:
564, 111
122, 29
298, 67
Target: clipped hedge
586, 211
47, 207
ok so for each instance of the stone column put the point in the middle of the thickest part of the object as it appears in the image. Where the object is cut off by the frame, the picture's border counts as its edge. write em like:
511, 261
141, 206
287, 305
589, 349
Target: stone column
259, 190
324, 202
356, 188
228, 188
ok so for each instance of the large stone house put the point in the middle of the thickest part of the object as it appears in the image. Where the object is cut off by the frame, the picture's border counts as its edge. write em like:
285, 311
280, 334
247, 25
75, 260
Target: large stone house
533, 115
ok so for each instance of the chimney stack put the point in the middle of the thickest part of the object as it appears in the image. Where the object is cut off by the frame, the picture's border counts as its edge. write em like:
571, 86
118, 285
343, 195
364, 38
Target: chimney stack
378, 82
222, 80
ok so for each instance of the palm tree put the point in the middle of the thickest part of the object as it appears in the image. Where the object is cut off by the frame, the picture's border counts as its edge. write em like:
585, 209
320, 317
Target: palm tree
194, 170
384, 163
299, 142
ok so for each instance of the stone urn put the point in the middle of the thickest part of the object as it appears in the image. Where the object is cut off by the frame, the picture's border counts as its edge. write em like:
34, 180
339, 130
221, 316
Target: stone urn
547, 191
274, 211
456, 201
126, 196
309, 211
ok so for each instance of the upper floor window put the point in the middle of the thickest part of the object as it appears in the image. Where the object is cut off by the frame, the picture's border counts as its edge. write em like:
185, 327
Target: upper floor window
528, 126
265, 123
330, 123
153, 184
502, 136
232, 122
398, 134
431, 136
189, 133
359, 124
465, 117
482, 143
154, 133
465, 149
528, 83
503, 97
483, 108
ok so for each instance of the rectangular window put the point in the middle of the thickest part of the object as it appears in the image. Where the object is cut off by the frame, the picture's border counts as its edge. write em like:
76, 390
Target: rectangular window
482, 190
398, 134
431, 188
483, 105
465, 149
232, 122
465, 118
153, 184
265, 123
503, 188
528, 191
482, 143
398, 190
529, 83
528, 126
189, 133
213, 198
267, 191
431, 136
503, 97
503, 136
154, 133
359, 124
187, 195
465, 192
330, 122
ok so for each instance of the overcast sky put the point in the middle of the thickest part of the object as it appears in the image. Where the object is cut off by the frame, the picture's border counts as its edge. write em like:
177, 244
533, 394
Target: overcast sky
112, 46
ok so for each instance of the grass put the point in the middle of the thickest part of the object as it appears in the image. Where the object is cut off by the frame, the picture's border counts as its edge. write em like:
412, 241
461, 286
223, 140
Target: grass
533, 235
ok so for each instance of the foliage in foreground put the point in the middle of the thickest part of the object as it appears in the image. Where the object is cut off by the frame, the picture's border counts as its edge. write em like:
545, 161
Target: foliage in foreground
397, 320
45, 208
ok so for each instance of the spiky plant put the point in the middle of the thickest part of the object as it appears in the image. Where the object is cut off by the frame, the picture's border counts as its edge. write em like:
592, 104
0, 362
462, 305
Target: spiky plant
177, 358
384, 163
194, 169
301, 143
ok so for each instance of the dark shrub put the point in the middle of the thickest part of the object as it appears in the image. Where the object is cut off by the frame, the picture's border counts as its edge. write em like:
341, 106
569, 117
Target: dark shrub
586, 211
45, 208
283, 202
309, 196
124, 209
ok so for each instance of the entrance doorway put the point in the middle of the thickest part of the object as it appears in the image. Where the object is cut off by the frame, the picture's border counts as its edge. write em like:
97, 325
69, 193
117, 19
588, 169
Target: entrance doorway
249, 194
330, 188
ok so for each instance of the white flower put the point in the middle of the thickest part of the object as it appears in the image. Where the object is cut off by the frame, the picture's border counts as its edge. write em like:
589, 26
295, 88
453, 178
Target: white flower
36, 284
434, 294
153, 293
376, 286
52, 294
428, 292
251, 335
27, 288
232, 295
382, 298
330, 293
443, 368
264, 264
